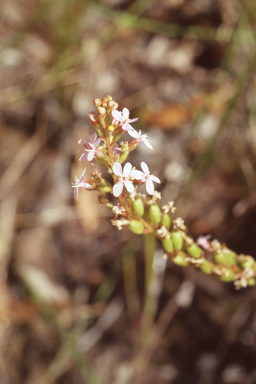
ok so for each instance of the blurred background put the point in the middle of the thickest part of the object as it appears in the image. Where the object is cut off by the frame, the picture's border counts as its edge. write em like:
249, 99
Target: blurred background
72, 297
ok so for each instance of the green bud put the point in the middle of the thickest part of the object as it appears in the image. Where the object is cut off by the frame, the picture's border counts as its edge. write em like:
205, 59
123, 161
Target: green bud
180, 259
118, 135
102, 121
136, 227
155, 213
226, 258
166, 220
97, 102
147, 217
177, 240
251, 282
101, 162
206, 267
110, 138
228, 276
248, 262
194, 251
138, 206
123, 157
104, 188
167, 244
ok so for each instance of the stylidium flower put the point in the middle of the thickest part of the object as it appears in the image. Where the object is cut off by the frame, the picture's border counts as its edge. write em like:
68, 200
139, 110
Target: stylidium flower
91, 147
140, 138
116, 150
118, 209
122, 178
80, 183
145, 177
123, 118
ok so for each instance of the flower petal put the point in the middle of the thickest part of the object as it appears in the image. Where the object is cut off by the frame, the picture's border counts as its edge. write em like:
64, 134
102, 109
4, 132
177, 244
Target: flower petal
93, 138
76, 193
126, 113
117, 169
138, 175
154, 178
133, 133
118, 189
97, 142
117, 115
127, 169
83, 156
144, 167
129, 186
147, 143
90, 155
150, 187
132, 120
126, 127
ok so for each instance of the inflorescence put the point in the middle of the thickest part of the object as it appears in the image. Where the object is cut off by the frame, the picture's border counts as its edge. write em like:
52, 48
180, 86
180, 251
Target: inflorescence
142, 213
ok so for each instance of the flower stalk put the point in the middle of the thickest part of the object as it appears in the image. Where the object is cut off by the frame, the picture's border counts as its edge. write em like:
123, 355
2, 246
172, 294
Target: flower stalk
143, 213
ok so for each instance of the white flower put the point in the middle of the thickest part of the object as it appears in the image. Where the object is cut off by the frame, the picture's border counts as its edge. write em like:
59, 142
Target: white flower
123, 118
118, 209
140, 138
91, 147
145, 177
122, 178
80, 183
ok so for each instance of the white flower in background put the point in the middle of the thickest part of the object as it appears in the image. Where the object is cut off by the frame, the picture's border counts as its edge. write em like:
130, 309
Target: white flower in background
91, 147
123, 118
122, 178
145, 177
118, 209
140, 138
80, 183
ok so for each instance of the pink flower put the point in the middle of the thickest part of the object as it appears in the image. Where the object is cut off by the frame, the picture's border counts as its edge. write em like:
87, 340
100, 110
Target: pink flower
91, 147
145, 177
122, 178
123, 118
140, 138
203, 242
116, 150
80, 183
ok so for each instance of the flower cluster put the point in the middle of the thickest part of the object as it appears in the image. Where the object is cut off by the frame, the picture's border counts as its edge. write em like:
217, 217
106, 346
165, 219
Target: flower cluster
142, 212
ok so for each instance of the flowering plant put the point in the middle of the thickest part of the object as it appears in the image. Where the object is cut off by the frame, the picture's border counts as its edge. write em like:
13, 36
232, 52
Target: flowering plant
142, 213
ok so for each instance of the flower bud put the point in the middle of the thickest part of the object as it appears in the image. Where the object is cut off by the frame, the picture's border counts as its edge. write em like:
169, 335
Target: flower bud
111, 128
102, 162
226, 258
228, 275
167, 244
166, 220
177, 240
247, 261
180, 259
97, 102
138, 206
111, 105
251, 282
93, 117
123, 157
108, 98
206, 267
102, 111
194, 251
155, 213
147, 217
136, 227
